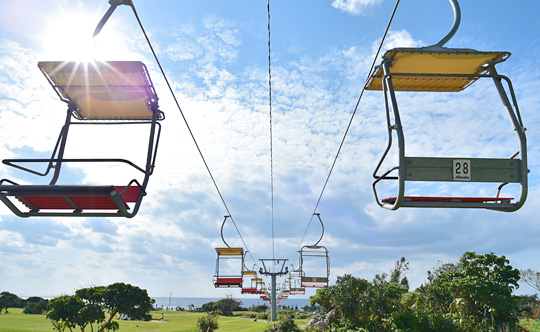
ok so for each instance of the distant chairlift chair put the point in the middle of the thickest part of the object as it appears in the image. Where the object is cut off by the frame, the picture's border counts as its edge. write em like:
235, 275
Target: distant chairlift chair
440, 69
293, 276
250, 288
314, 252
115, 92
225, 256
229, 280
319, 252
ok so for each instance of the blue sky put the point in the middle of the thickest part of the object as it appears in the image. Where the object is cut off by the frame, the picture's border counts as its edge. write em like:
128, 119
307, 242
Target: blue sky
216, 57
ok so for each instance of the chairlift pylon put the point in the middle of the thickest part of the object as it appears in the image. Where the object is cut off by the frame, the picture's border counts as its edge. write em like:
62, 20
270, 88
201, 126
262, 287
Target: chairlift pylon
439, 69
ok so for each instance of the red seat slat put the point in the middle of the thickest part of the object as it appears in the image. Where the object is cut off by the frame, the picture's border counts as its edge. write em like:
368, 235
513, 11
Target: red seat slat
249, 290
130, 195
90, 202
228, 281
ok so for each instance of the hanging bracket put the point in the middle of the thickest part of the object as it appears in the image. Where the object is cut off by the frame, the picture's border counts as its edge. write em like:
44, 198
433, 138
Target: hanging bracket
322, 225
455, 26
114, 4
224, 220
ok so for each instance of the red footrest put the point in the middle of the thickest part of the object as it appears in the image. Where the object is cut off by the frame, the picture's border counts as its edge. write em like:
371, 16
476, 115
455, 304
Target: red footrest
392, 200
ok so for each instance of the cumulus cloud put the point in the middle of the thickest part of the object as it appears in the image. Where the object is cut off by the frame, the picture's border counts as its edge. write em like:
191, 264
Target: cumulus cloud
354, 6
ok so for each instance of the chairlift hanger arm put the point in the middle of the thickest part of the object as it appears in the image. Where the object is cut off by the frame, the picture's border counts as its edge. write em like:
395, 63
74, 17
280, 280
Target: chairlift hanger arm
223, 224
322, 228
455, 25
110, 11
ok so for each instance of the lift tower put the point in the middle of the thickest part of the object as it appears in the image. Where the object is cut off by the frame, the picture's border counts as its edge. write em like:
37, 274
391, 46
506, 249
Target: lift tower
273, 269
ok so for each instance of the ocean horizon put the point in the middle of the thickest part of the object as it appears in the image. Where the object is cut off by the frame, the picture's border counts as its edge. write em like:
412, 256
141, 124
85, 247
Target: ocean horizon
185, 302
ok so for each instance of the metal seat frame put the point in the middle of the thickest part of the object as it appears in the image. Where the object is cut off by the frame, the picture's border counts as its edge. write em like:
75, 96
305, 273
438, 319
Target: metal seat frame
462, 67
60, 200
229, 253
504, 171
316, 251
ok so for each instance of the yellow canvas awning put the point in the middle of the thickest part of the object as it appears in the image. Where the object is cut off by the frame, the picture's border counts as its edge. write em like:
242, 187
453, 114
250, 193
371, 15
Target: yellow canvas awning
113, 90
442, 62
230, 251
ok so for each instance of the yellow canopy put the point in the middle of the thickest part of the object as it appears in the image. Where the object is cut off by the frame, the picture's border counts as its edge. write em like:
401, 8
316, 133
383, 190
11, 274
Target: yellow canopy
230, 251
444, 62
114, 90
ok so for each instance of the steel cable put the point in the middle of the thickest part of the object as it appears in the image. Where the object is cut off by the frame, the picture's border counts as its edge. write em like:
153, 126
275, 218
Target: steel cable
348, 126
189, 129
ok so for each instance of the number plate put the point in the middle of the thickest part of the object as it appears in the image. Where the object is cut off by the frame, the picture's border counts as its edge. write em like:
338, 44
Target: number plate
461, 169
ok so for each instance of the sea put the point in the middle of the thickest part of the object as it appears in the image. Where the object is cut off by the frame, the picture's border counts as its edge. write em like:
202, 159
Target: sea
185, 302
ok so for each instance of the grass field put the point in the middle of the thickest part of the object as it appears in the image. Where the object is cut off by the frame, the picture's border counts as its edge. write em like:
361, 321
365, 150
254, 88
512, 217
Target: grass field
175, 321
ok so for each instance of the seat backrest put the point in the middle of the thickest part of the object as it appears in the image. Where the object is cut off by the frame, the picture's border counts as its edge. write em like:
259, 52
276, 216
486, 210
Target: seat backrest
448, 169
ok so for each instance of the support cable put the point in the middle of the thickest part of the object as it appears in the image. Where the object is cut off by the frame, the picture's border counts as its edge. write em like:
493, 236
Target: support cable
349, 125
271, 137
187, 125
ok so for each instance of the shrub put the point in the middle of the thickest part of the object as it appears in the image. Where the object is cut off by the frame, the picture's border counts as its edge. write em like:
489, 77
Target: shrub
263, 315
208, 323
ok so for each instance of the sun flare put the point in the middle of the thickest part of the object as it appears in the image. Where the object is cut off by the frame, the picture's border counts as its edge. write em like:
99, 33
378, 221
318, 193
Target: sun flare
69, 38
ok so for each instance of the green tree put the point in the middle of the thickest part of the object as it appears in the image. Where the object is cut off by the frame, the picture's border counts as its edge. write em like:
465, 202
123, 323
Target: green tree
88, 305
348, 298
322, 297
210, 306
228, 304
7, 300
94, 295
397, 276
64, 312
208, 322
36, 305
476, 293
121, 298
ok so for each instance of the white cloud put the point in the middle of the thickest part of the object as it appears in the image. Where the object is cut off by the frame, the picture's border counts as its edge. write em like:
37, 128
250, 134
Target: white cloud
401, 38
354, 6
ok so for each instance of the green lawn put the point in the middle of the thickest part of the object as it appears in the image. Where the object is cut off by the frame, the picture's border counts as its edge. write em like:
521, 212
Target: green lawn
175, 321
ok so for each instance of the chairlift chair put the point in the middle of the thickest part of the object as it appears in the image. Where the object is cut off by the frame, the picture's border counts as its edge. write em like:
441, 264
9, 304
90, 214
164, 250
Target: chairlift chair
314, 252
293, 286
250, 275
228, 255
439, 69
113, 92
229, 280
286, 287
318, 253
261, 288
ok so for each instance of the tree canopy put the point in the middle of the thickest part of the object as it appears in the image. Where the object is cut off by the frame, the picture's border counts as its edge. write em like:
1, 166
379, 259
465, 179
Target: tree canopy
473, 294
87, 307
